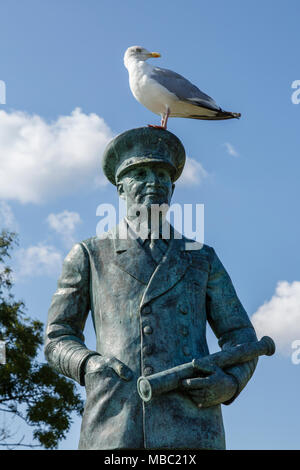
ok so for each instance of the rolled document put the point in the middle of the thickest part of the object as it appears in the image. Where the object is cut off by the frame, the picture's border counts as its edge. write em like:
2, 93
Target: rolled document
170, 379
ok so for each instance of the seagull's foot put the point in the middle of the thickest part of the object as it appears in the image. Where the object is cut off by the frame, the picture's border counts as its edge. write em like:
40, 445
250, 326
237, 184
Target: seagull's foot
157, 127
164, 120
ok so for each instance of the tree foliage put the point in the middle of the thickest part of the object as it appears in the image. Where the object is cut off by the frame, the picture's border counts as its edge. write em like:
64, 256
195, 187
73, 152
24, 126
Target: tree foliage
29, 389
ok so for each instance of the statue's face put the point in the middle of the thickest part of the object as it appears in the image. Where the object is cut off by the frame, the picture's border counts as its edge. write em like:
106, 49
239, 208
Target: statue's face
146, 185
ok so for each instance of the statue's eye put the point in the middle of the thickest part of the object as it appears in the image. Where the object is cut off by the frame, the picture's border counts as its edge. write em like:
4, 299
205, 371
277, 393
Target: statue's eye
163, 174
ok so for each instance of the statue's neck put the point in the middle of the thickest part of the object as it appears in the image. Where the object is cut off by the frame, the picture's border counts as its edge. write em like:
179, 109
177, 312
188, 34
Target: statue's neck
151, 224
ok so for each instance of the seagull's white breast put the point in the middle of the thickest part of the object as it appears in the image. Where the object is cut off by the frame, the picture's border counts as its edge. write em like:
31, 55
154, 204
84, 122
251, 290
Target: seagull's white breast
147, 91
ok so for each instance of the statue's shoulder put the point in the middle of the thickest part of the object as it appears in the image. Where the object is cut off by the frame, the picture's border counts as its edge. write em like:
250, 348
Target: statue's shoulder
200, 254
196, 248
99, 244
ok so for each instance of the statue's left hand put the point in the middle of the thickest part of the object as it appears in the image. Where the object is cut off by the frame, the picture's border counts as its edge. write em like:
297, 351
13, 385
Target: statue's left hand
217, 388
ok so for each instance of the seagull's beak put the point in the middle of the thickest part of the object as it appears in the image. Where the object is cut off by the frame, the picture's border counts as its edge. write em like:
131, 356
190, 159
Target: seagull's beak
154, 54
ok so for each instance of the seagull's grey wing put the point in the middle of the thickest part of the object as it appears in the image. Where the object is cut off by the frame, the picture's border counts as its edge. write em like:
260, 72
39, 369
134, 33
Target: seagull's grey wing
183, 88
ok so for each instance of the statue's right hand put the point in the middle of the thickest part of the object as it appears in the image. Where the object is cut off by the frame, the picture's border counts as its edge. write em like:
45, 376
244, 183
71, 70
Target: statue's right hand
98, 363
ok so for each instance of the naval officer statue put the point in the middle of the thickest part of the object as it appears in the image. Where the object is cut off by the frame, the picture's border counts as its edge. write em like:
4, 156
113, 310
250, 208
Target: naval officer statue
150, 304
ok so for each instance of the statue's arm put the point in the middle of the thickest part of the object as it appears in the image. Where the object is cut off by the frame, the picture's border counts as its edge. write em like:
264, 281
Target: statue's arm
228, 319
64, 341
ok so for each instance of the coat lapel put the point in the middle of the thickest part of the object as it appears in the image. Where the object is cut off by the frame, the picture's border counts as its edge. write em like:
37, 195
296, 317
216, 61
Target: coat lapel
131, 257
169, 271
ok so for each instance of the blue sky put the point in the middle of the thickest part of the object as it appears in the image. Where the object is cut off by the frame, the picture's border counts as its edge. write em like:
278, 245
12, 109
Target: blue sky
67, 94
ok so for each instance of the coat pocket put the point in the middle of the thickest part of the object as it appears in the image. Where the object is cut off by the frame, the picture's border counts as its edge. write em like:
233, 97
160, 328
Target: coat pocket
98, 378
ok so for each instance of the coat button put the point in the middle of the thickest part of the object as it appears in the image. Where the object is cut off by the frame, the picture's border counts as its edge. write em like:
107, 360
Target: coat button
186, 351
184, 331
148, 370
147, 350
146, 309
183, 310
147, 330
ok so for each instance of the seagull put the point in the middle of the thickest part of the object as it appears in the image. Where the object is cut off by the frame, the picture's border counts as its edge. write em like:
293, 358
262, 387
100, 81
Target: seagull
167, 93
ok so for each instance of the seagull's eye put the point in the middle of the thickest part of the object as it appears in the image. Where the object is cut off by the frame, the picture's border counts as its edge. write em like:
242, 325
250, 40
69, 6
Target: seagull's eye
138, 49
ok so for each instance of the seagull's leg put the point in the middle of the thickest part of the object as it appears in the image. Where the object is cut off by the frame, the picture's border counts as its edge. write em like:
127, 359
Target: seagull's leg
161, 124
165, 118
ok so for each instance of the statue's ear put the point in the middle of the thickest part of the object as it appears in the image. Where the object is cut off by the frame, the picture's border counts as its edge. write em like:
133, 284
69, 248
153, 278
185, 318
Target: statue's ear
120, 190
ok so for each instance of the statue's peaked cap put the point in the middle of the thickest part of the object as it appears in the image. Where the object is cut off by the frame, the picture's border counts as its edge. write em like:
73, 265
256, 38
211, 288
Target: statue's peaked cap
141, 146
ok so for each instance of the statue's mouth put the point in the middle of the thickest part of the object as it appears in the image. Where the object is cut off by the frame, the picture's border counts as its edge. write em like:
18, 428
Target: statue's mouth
154, 192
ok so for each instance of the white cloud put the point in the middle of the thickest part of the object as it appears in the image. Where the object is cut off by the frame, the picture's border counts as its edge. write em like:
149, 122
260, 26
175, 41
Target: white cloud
280, 316
40, 160
65, 224
193, 173
7, 218
231, 150
37, 260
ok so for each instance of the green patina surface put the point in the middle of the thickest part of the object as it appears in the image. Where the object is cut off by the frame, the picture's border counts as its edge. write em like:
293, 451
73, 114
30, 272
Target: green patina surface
149, 315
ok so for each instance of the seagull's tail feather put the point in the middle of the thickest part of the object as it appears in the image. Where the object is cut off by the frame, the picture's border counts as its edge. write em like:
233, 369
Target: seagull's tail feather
220, 115
229, 115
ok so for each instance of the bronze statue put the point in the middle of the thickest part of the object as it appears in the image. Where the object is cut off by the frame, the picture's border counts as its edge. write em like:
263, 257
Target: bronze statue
150, 302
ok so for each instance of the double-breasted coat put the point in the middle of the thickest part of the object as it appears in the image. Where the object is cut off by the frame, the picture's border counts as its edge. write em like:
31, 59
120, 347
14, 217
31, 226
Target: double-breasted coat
151, 317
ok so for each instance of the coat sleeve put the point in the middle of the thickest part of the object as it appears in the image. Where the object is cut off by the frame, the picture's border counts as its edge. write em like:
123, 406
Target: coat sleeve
229, 320
64, 340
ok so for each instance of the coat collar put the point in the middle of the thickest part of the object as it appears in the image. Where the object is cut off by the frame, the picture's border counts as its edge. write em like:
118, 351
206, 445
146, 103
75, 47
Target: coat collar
132, 258
170, 270
130, 255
